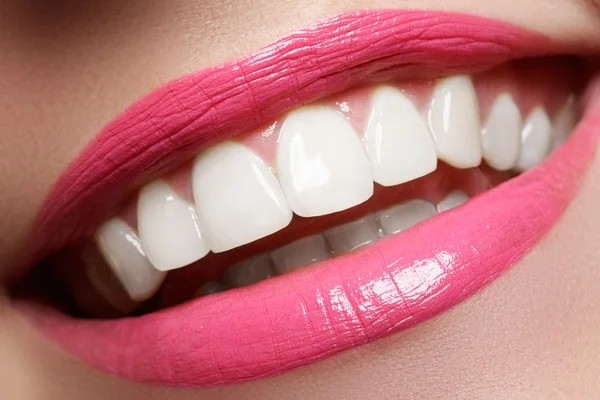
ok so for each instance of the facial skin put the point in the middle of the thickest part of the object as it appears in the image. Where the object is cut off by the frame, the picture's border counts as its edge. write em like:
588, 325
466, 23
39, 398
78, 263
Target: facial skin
68, 68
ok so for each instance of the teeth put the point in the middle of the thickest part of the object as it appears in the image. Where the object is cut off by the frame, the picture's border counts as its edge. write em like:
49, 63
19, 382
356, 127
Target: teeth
322, 166
169, 228
501, 135
564, 122
249, 271
397, 140
535, 139
237, 197
353, 235
123, 252
454, 122
453, 200
302, 252
403, 216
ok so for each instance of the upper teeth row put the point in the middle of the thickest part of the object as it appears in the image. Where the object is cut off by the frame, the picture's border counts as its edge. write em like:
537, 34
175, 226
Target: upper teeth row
322, 166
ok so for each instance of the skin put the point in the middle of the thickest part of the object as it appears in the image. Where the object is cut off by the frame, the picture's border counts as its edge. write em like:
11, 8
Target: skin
69, 67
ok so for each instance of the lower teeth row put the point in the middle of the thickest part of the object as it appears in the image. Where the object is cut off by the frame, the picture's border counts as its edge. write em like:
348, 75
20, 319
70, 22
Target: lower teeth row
333, 242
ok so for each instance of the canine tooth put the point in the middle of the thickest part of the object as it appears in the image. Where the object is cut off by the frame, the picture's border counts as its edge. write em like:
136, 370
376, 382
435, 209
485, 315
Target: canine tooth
249, 271
321, 163
454, 199
237, 197
300, 253
353, 235
209, 288
501, 134
564, 122
454, 122
535, 139
397, 140
403, 216
169, 228
123, 252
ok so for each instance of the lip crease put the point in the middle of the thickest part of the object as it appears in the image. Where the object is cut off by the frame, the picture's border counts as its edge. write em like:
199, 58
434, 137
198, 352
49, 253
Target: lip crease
316, 312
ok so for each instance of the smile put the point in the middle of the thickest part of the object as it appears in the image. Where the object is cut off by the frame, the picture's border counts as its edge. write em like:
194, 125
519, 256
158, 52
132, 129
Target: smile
347, 182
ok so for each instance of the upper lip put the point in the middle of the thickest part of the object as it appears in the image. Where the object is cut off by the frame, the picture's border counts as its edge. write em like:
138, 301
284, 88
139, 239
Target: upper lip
172, 124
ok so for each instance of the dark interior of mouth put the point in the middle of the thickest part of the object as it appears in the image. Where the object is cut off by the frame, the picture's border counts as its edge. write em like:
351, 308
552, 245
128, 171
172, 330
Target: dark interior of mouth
65, 278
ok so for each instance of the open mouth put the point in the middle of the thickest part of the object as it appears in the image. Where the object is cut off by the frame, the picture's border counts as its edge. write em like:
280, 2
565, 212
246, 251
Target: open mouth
324, 180
229, 227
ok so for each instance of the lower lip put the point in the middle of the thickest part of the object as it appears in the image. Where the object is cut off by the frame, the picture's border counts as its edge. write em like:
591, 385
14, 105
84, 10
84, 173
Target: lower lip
305, 316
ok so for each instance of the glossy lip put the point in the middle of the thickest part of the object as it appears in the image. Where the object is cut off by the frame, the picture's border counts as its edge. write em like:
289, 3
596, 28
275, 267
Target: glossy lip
313, 313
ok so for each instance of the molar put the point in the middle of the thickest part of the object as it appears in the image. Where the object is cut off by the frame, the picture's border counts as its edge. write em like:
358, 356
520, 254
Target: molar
454, 122
397, 140
321, 163
238, 199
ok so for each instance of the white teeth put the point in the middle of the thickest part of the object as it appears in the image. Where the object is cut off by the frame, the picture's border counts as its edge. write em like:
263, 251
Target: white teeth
123, 252
353, 235
397, 140
302, 252
169, 228
454, 121
453, 200
564, 122
237, 197
321, 164
403, 216
535, 139
249, 271
501, 134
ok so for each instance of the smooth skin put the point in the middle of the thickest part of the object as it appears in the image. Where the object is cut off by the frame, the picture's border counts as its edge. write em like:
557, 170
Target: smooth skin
68, 67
